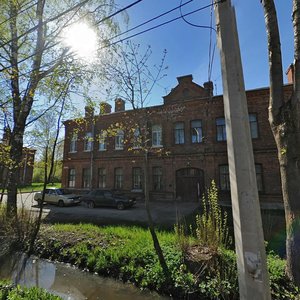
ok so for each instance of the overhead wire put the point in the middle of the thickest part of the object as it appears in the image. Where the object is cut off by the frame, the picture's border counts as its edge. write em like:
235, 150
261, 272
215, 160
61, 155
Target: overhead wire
152, 19
146, 30
47, 21
211, 51
190, 23
164, 23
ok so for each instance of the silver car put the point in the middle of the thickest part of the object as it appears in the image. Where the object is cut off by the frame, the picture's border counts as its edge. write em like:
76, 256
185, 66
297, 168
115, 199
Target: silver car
57, 196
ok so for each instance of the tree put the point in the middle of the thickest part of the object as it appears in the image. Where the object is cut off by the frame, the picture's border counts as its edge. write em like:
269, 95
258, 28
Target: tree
34, 63
284, 118
133, 80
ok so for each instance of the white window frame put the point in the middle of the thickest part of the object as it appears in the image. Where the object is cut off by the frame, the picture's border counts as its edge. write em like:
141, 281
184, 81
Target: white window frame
156, 136
119, 140
179, 136
196, 131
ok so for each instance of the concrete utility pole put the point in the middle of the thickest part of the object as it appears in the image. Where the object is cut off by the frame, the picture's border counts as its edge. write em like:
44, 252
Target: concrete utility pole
248, 232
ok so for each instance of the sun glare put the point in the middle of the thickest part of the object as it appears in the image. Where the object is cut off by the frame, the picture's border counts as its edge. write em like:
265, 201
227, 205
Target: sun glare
82, 40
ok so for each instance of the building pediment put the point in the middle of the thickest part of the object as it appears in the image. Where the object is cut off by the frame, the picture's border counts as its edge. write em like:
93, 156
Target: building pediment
185, 90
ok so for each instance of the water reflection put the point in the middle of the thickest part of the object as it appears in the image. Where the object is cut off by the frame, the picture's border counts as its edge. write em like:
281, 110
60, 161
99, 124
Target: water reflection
66, 281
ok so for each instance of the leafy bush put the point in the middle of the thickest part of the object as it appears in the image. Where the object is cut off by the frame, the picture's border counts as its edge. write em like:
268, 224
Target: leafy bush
211, 225
281, 286
10, 292
127, 253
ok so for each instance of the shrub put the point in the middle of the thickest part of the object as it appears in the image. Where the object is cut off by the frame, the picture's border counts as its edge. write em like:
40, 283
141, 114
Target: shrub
211, 226
11, 292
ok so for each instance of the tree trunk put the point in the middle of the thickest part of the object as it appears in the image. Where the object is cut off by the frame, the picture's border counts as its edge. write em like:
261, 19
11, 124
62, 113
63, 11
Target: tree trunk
156, 244
16, 143
289, 160
284, 117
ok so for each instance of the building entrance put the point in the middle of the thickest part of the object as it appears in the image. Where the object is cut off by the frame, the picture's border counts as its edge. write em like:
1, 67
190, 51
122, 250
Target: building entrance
189, 184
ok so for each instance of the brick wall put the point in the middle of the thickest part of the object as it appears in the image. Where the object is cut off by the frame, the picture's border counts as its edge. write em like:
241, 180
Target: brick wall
187, 101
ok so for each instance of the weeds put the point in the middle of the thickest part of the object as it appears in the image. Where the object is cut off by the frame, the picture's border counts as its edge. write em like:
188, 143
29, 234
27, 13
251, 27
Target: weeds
16, 232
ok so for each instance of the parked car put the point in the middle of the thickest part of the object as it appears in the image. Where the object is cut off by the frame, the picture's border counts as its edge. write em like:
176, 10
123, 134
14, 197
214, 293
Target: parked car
100, 197
57, 196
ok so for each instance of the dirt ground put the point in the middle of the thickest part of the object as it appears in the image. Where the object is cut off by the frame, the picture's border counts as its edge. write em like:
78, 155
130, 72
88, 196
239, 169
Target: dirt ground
165, 214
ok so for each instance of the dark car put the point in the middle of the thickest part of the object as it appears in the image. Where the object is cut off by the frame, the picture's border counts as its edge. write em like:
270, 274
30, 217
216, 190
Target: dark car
96, 198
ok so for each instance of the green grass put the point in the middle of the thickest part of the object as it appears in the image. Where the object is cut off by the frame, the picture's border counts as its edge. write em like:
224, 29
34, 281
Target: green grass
11, 292
37, 186
127, 253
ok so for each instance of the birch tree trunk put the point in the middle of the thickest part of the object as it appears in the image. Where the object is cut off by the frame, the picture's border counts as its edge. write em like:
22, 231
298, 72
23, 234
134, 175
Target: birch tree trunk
284, 117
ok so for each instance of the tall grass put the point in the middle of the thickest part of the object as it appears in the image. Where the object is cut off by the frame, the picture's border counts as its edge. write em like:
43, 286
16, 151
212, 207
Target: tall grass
210, 229
16, 232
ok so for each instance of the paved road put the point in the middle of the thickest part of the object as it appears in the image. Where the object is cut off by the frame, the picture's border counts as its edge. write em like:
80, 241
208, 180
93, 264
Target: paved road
164, 214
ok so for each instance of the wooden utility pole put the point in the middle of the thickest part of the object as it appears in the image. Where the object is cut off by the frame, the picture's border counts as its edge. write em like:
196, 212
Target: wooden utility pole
248, 231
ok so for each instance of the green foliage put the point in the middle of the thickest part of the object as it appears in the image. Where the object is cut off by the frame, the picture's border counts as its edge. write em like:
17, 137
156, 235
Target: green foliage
10, 292
281, 286
16, 231
127, 253
211, 226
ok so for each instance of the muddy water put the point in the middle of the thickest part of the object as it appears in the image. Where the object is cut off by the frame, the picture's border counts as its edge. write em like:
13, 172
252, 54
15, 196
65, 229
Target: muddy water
68, 282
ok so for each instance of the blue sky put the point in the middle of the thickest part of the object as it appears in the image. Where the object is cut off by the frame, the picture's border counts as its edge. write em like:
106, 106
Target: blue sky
187, 46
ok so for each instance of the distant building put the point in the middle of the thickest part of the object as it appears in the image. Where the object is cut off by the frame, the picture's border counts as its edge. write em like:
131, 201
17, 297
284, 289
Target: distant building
189, 128
25, 169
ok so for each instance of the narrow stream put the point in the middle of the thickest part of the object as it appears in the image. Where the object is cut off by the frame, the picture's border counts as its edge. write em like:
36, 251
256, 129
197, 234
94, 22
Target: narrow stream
67, 281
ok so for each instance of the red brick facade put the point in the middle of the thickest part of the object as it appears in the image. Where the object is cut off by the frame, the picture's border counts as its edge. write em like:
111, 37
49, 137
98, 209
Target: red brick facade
193, 153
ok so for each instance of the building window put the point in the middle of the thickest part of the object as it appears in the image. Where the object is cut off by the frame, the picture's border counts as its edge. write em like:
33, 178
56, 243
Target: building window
102, 140
259, 177
119, 140
118, 178
137, 178
86, 178
136, 139
253, 126
221, 129
156, 136
179, 133
102, 178
71, 178
157, 178
224, 178
225, 181
196, 131
73, 143
88, 142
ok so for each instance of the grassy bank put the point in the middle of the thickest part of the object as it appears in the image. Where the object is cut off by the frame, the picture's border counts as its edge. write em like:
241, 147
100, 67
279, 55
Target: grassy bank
127, 253
36, 186
11, 292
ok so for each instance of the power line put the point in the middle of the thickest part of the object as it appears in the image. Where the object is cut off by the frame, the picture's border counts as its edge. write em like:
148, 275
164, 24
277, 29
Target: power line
152, 19
47, 21
190, 23
141, 32
164, 23
118, 11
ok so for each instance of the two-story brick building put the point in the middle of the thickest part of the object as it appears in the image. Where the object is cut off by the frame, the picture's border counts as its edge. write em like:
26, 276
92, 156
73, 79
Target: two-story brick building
187, 140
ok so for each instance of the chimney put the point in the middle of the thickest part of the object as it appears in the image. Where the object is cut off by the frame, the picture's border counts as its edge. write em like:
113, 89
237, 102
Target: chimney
89, 112
185, 79
209, 88
119, 105
290, 72
105, 108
